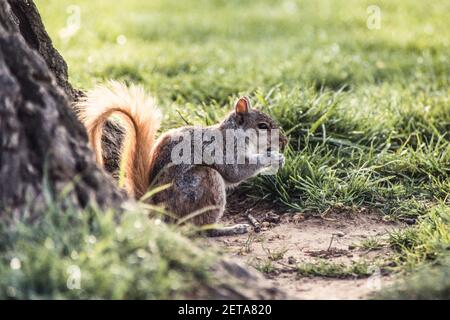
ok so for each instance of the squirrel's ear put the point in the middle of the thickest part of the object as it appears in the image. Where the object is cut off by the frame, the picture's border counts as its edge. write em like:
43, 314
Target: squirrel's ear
243, 105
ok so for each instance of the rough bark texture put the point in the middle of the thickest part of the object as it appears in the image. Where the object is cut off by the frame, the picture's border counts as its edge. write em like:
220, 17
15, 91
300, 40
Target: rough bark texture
30, 25
41, 139
43, 146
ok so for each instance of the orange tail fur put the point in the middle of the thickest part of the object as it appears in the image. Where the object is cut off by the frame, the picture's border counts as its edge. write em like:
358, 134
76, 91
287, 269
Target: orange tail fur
142, 118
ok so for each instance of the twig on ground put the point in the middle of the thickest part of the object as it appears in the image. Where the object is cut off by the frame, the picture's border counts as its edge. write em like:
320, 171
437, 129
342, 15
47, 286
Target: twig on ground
254, 222
331, 242
337, 234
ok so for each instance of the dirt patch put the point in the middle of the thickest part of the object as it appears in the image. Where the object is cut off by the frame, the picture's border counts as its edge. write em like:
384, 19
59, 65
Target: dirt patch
331, 257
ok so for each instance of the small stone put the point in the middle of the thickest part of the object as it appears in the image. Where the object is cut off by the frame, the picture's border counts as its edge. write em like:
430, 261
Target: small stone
272, 217
286, 218
299, 217
292, 260
339, 234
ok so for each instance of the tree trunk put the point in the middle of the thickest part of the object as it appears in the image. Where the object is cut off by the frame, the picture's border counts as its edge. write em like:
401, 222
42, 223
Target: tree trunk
43, 145
31, 28
44, 148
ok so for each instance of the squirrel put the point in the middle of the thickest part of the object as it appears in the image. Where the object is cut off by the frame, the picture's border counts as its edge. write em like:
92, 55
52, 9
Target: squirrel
198, 187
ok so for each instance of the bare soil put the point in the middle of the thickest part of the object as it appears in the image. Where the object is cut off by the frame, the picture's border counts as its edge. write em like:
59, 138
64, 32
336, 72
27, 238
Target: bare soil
287, 240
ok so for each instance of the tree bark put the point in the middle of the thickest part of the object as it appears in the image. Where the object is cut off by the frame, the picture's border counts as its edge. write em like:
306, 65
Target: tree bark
30, 25
44, 148
43, 145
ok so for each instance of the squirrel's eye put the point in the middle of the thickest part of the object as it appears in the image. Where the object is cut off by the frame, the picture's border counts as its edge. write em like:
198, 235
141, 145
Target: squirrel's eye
263, 126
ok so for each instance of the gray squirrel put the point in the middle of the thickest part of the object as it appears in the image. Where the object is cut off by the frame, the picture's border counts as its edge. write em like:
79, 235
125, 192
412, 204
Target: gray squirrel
194, 186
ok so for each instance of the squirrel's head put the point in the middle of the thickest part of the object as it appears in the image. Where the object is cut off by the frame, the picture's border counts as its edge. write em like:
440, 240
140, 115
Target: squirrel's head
245, 117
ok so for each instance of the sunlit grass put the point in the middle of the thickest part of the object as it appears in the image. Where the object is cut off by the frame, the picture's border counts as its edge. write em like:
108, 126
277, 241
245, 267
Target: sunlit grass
424, 253
367, 111
93, 254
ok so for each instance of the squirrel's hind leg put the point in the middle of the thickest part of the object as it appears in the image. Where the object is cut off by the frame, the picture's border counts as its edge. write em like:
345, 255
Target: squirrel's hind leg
197, 194
200, 190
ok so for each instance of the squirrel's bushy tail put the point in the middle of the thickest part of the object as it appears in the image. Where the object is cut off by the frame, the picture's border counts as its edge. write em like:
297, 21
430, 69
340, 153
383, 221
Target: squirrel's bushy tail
140, 115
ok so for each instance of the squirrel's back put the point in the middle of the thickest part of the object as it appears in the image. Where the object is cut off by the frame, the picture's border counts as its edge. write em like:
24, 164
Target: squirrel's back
141, 117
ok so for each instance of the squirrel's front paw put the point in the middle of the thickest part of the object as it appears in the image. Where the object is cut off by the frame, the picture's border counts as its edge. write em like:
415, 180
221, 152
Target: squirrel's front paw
273, 162
276, 160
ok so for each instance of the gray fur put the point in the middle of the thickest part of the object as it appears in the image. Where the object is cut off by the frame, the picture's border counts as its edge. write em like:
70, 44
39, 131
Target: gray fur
194, 187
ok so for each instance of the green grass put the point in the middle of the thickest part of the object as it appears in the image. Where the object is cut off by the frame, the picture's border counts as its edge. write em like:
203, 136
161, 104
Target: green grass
424, 253
371, 244
327, 269
275, 254
428, 282
265, 266
428, 241
367, 111
67, 254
